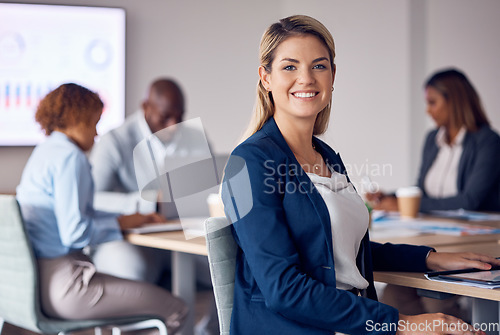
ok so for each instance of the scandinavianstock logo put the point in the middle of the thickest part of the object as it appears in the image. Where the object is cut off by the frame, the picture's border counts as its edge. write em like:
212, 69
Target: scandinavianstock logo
176, 168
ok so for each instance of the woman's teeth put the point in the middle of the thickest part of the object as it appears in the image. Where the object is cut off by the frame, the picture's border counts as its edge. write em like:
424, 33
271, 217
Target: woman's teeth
304, 95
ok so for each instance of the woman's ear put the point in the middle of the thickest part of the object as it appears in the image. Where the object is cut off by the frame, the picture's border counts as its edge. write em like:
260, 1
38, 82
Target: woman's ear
265, 78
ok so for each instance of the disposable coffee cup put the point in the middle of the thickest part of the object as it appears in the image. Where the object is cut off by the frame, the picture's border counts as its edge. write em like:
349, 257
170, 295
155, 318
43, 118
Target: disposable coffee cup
215, 205
408, 201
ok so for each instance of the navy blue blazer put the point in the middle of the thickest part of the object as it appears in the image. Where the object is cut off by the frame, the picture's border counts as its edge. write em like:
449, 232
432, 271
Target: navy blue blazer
285, 272
478, 180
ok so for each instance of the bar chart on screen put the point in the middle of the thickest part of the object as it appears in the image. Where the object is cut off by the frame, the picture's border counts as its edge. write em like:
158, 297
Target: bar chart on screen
37, 55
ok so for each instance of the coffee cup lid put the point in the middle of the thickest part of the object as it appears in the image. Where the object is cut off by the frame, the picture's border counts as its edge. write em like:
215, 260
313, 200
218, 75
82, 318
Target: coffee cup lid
411, 191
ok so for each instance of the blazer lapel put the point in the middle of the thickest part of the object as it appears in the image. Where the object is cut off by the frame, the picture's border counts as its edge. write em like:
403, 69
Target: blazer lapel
305, 183
467, 152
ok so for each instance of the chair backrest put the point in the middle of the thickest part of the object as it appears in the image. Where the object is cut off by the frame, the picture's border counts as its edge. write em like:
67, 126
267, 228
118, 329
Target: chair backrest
19, 295
222, 249
18, 274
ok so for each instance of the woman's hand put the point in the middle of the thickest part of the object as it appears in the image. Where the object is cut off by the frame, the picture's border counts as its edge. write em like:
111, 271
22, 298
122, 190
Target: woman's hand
442, 261
381, 201
137, 220
434, 324
374, 197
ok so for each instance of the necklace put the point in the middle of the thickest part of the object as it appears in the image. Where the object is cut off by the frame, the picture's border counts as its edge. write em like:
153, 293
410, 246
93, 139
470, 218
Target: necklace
315, 165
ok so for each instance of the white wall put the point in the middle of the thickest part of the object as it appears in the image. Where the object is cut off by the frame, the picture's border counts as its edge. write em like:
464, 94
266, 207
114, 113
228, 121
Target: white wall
372, 85
464, 34
210, 47
385, 50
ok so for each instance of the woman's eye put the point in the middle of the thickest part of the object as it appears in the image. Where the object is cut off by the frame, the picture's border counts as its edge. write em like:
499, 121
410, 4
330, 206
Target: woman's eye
319, 66
289, 68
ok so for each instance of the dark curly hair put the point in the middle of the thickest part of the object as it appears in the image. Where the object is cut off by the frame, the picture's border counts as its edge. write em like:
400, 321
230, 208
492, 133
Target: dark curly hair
66, 106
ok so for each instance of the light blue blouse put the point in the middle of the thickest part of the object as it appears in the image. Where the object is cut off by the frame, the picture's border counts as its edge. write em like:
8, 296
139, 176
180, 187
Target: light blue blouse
56, 197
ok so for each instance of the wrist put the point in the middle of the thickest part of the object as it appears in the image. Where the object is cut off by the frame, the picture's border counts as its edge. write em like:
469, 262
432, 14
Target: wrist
429, 259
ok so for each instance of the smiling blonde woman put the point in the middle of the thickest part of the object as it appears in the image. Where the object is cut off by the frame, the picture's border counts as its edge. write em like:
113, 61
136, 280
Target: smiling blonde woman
305, 262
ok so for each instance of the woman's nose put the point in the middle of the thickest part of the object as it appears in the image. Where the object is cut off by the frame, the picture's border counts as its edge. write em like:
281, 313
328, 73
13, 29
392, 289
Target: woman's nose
306, 77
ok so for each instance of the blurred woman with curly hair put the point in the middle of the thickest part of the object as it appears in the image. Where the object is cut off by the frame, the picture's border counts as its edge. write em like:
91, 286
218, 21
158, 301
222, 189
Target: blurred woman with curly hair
56, 199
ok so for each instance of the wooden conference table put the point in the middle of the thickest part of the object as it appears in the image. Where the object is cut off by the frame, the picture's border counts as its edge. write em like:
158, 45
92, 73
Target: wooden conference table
485, 301
183, 264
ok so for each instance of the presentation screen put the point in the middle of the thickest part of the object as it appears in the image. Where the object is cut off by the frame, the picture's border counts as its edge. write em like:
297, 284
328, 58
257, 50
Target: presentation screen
43, 46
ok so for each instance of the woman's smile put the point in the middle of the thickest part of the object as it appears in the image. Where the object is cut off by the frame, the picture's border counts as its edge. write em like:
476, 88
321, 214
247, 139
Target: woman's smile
305, 95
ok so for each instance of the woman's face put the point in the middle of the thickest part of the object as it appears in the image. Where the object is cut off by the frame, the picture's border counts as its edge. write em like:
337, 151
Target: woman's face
83, 134
301, 78
437, 107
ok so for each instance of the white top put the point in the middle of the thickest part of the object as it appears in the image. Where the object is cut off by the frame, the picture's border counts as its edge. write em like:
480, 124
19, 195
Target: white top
349, 220
441, 179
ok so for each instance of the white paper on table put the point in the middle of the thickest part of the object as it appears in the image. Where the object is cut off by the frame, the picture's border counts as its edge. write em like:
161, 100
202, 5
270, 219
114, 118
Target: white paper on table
384, 234
155, 228
392, 221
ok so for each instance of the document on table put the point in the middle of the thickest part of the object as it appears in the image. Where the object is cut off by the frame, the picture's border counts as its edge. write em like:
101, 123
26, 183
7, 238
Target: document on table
469, 277
192, 227
156, 228
390, 224
457, 229
463, 214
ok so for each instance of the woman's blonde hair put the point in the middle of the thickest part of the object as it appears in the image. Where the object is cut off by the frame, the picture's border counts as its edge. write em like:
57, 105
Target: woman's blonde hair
274, 35
466, 107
